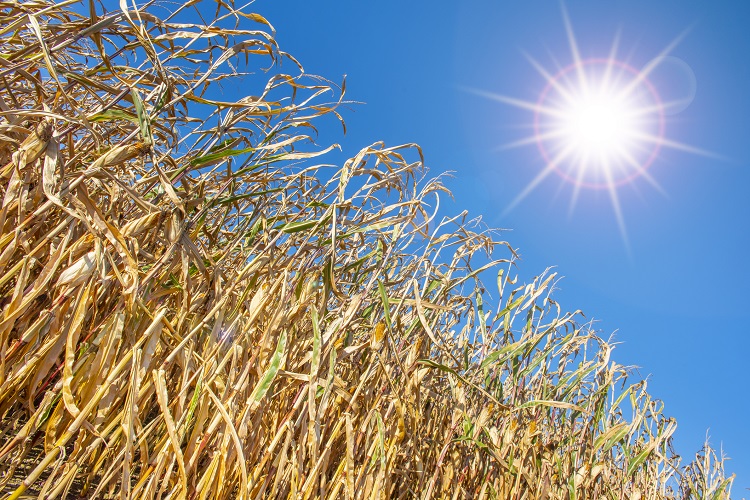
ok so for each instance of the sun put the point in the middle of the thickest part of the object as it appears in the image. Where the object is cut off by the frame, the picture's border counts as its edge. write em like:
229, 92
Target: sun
598, 123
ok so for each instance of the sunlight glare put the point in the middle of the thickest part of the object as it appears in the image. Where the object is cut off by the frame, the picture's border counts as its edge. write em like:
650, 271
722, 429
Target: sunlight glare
585, 109
599, 123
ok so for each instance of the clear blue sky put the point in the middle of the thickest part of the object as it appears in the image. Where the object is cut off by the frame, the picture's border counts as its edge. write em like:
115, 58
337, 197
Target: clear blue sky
680, 303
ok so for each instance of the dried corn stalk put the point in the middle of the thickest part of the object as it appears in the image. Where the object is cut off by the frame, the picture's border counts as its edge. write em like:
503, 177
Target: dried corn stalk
193, 308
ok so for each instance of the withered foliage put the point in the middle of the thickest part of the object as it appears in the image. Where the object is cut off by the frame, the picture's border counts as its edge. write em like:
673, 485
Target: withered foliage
194, 307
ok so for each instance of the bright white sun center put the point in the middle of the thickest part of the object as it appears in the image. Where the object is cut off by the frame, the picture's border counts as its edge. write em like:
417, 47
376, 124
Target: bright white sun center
597, 125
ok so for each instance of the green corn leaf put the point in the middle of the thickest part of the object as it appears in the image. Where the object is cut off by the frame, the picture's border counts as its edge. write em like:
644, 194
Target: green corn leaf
277, 361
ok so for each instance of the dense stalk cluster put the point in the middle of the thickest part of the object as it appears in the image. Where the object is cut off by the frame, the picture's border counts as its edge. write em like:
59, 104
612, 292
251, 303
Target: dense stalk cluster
194, 307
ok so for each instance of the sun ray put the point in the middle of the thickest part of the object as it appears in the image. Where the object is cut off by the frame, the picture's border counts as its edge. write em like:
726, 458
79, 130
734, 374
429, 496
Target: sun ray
577, 185
536, 180
549, 78
656, 108
641, 171
558, 192
519, 103
530, 140
654, 63
680, 146
612, 189
611, 61
574, 49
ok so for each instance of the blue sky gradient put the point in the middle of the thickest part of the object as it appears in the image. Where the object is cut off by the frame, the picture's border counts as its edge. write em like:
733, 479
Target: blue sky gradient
679, 301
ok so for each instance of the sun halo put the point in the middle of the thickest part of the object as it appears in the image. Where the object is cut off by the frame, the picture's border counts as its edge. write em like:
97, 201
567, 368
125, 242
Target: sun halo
605, 118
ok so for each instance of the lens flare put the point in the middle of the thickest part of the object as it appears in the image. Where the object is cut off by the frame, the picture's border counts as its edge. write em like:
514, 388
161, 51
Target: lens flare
608, 135
598, 123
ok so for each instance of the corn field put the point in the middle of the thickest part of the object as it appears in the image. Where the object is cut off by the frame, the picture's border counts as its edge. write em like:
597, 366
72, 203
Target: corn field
196, 306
